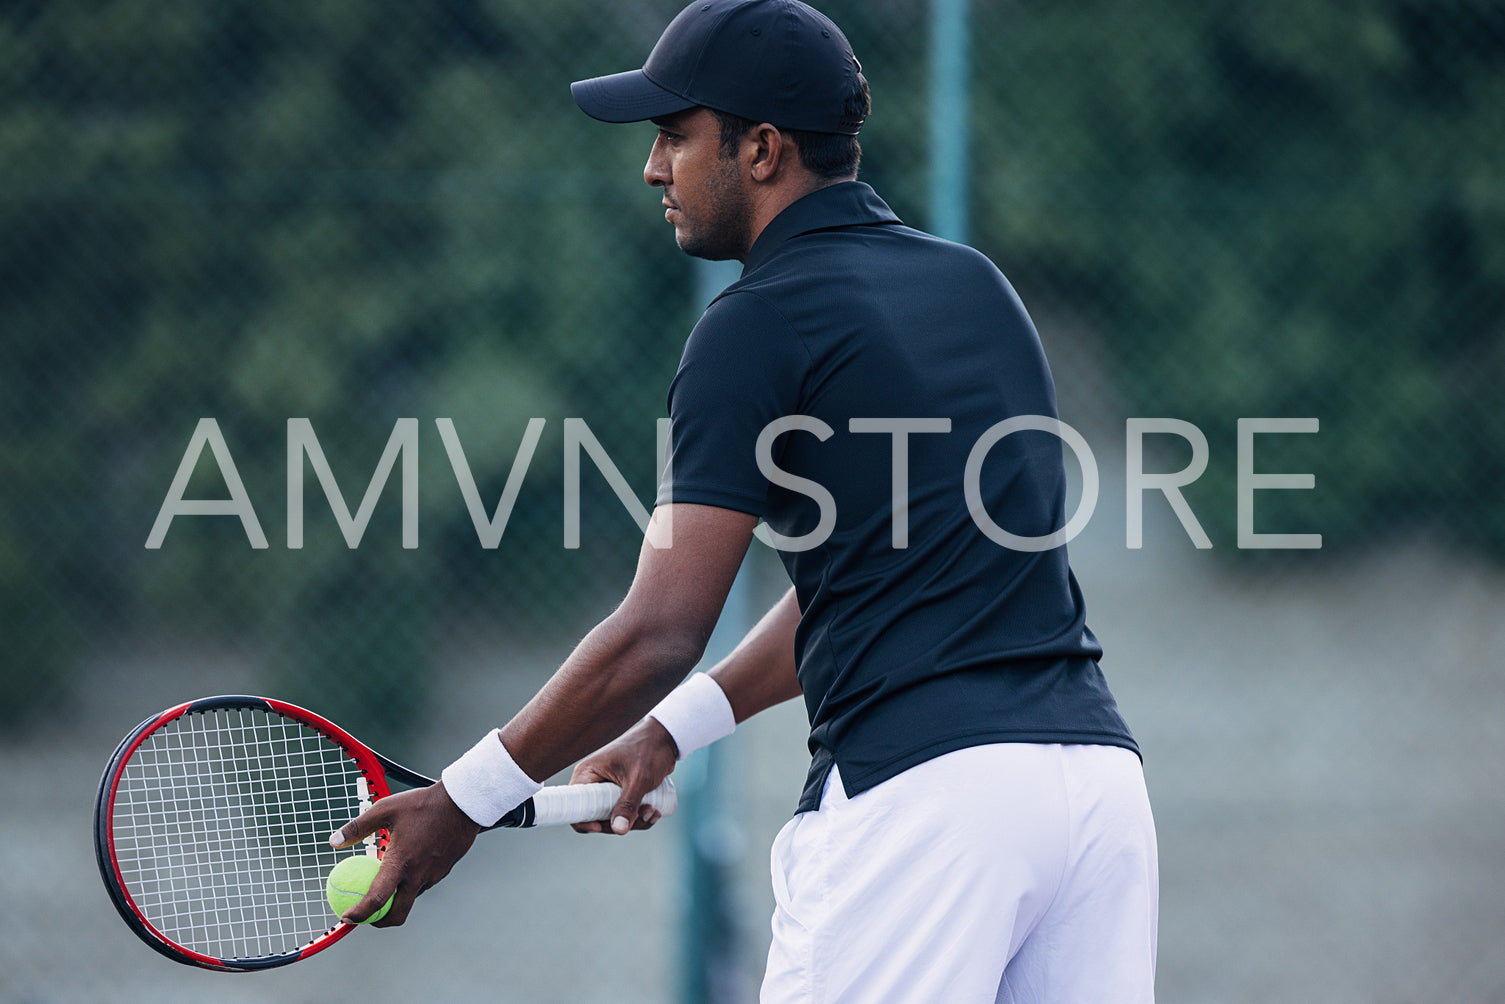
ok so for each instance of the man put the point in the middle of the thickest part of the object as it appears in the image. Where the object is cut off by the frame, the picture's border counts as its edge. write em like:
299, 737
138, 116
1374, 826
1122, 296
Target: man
974, 826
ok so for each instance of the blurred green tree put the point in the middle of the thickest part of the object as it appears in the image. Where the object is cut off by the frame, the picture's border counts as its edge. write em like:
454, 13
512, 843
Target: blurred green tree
1277, 211
353, 211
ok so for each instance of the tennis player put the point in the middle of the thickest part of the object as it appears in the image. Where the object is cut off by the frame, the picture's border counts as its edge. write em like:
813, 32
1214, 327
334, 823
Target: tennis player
974, 826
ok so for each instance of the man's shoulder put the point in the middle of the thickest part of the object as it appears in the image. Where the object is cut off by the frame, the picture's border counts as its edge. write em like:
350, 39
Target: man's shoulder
741, 319
743, 302
826, 263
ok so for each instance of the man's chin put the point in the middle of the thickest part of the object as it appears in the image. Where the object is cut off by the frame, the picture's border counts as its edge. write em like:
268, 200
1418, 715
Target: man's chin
702, 249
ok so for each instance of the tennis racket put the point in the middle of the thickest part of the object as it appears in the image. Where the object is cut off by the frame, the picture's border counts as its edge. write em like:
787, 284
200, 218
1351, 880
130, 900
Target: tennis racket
212, 826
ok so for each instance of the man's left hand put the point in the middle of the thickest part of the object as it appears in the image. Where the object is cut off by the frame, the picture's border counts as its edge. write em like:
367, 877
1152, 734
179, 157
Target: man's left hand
427, 833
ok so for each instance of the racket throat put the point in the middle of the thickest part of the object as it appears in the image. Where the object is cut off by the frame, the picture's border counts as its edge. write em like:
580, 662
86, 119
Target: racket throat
363, 797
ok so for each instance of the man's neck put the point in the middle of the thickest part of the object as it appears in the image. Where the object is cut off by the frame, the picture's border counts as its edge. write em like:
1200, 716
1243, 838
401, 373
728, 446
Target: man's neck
778, 198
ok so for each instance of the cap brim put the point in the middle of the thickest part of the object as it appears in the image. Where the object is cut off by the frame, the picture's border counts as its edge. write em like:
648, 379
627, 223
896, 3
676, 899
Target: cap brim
626, 97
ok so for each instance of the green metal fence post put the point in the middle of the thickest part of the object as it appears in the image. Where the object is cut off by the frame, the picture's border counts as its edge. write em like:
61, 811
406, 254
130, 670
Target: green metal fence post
950, 118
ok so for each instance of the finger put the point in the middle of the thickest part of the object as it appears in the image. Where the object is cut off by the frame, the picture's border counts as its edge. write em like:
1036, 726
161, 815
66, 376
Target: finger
401, 907
387, 879
362, 826
624, 815
586, 773
407, 895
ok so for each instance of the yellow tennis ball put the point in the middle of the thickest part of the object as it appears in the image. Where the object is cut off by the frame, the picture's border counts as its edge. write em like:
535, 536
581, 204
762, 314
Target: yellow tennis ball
349, 881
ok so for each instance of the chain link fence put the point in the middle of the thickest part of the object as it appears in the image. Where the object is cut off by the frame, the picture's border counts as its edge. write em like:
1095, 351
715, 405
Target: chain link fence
252, 246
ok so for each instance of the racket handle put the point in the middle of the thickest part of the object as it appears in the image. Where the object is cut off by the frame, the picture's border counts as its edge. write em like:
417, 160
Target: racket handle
586, 803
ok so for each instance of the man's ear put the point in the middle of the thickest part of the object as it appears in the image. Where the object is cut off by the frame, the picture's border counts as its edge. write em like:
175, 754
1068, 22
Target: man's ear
769, 151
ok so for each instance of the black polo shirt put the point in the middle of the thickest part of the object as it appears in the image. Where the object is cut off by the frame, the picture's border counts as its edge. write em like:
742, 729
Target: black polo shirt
948, 639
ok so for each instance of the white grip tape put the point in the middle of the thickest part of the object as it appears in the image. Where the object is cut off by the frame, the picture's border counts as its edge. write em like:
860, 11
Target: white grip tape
589, 803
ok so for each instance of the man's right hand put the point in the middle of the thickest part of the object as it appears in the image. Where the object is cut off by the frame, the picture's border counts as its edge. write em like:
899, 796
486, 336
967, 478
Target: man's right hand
637, 763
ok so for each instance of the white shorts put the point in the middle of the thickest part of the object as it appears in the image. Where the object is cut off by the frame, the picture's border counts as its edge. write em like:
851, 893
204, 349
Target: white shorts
1015, 873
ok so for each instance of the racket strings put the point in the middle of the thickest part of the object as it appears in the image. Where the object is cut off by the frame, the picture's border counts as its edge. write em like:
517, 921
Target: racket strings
220, 824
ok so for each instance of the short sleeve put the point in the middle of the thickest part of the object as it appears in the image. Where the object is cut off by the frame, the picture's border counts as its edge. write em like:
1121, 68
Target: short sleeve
743, 367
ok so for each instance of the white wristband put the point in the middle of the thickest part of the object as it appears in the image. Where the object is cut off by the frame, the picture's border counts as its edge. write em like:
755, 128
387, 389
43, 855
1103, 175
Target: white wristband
695, 714
486, 783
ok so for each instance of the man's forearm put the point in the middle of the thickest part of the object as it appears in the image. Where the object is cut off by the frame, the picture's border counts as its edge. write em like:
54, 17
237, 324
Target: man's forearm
760, 672
643, 648
608, 683
618, 672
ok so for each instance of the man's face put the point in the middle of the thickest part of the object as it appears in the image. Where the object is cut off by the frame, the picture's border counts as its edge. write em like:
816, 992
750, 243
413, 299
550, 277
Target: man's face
705, 193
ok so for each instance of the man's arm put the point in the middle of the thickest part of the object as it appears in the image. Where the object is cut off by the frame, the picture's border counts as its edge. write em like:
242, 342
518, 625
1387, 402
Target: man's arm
642, 649
612, 678
759, 673
761, 670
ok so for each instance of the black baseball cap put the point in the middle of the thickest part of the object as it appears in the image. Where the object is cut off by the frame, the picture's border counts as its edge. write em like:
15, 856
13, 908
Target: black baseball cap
776, 61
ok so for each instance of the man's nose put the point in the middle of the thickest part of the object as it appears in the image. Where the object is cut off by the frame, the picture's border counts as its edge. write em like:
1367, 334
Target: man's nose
656, 171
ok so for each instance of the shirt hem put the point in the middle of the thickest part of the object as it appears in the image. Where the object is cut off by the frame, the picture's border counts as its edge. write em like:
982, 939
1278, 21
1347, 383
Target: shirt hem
854, 782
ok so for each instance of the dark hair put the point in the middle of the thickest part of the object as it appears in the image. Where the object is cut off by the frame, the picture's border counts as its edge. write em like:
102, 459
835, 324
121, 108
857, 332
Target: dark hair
826, 154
